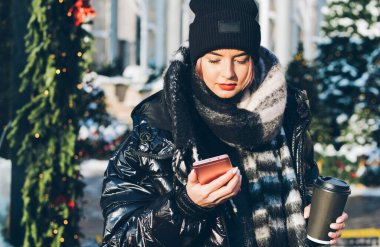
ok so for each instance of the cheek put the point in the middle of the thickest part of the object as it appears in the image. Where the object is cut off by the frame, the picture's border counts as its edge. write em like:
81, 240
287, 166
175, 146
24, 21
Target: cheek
245, 77
209, 75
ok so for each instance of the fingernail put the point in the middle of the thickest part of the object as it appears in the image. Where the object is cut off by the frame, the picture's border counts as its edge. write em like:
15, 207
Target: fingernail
332, 225
234, 171
339, 220
330, 234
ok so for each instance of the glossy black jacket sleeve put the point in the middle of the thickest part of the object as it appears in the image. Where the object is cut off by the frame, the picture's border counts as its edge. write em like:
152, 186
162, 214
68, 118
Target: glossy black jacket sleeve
137, 215
311, 168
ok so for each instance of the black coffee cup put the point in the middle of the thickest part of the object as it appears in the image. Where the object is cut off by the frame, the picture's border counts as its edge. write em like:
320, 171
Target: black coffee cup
327, 204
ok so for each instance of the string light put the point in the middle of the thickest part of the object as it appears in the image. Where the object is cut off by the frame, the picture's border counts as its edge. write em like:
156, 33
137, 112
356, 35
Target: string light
80, 86
55, 231
37, 135
41, 175
65, 222
64, 70
63, 54
76, 236
60, 1
69, 14
79, 54
46, 92
61, 240
58, 71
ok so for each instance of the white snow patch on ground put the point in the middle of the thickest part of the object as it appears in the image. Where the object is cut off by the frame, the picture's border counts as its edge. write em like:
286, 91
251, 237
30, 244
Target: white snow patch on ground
5, 187
357, 190
93, 168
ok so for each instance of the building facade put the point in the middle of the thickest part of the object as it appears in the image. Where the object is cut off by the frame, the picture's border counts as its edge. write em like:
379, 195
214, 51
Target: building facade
147, 32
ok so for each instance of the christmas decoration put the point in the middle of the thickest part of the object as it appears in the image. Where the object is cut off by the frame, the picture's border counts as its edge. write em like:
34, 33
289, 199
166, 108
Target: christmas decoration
302, 74
57, 55
5, 55
348, 69
81, 11
99, 133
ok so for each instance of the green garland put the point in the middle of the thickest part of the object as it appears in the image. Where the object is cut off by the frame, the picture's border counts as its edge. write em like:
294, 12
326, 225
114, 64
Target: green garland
57, 50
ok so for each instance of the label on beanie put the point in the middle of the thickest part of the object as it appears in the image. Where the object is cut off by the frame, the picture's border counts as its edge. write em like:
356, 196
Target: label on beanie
229, 26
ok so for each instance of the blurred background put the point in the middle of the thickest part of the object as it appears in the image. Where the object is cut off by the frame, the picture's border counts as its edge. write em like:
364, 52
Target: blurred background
72, 71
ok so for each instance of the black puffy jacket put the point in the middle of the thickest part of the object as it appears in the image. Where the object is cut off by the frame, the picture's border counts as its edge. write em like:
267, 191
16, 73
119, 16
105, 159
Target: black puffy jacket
139, 204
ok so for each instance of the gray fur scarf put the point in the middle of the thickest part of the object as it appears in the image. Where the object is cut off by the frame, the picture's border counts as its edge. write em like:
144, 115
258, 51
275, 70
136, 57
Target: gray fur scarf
253, 126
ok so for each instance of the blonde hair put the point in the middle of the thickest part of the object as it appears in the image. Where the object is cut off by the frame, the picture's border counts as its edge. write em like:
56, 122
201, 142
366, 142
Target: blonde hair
250, 76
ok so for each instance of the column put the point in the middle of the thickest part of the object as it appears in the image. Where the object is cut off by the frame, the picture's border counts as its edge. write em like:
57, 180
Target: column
174, 23
160, 33
283, 31
264, 16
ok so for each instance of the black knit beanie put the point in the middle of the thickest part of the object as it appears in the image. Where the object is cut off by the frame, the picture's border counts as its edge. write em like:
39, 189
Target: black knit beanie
222, 24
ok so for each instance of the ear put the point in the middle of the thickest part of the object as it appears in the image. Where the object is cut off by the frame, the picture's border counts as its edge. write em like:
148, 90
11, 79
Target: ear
198, 68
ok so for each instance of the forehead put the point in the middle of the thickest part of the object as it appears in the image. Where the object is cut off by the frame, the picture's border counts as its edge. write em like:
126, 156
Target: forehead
227, 52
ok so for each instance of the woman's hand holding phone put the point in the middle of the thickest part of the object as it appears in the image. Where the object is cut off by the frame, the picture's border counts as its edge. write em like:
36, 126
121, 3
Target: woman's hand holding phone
217, 191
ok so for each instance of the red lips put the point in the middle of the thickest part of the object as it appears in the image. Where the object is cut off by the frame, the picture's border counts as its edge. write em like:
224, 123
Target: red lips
227, 87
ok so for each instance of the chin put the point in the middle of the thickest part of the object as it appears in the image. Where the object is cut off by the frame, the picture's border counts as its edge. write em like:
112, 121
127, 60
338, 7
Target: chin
226, 94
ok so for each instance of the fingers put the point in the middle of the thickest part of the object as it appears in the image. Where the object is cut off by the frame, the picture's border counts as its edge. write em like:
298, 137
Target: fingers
339, 226
336, 226
306, 211
336, 234
342, 218
228, 191
222, 180
192, 177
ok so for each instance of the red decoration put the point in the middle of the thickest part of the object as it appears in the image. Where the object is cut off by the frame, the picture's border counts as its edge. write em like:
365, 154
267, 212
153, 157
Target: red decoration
71, 204
60, 199
81, 11
339, 164
353, 175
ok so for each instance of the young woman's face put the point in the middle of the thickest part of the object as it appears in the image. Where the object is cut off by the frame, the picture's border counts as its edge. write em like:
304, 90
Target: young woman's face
226, 72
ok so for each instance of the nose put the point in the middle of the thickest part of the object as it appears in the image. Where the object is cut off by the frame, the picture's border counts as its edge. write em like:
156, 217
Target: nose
228, 70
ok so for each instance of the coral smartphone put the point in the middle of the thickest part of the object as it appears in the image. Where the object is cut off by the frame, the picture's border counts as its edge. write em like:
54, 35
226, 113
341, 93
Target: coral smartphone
212, 168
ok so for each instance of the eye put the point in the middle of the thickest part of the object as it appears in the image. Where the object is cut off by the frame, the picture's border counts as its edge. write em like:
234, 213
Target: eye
244, 61
213, 61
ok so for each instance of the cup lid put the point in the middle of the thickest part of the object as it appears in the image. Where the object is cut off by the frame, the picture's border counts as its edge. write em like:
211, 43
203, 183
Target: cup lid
333, 184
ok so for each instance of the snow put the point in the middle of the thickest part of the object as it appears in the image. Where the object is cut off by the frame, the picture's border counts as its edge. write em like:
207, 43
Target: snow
93, 168
92, 131
359, 190
101, 79
351, 151
5, 186
365, 27
342, 118
136, 74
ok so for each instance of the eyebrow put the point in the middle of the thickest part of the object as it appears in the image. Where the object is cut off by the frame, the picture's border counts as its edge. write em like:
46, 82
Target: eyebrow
219, 55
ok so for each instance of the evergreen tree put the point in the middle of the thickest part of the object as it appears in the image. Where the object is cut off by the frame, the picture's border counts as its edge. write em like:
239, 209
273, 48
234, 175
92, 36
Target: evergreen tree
348, 67
348, 63
302, 74
5, 55
57, 54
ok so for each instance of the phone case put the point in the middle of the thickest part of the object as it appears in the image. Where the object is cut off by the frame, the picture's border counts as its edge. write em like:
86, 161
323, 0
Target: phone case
212, 168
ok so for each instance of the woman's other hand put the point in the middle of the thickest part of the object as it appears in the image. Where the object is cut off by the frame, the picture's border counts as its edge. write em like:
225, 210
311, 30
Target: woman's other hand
217, 191
338, 226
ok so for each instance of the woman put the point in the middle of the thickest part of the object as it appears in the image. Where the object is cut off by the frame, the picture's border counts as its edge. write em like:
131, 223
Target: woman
223, 94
